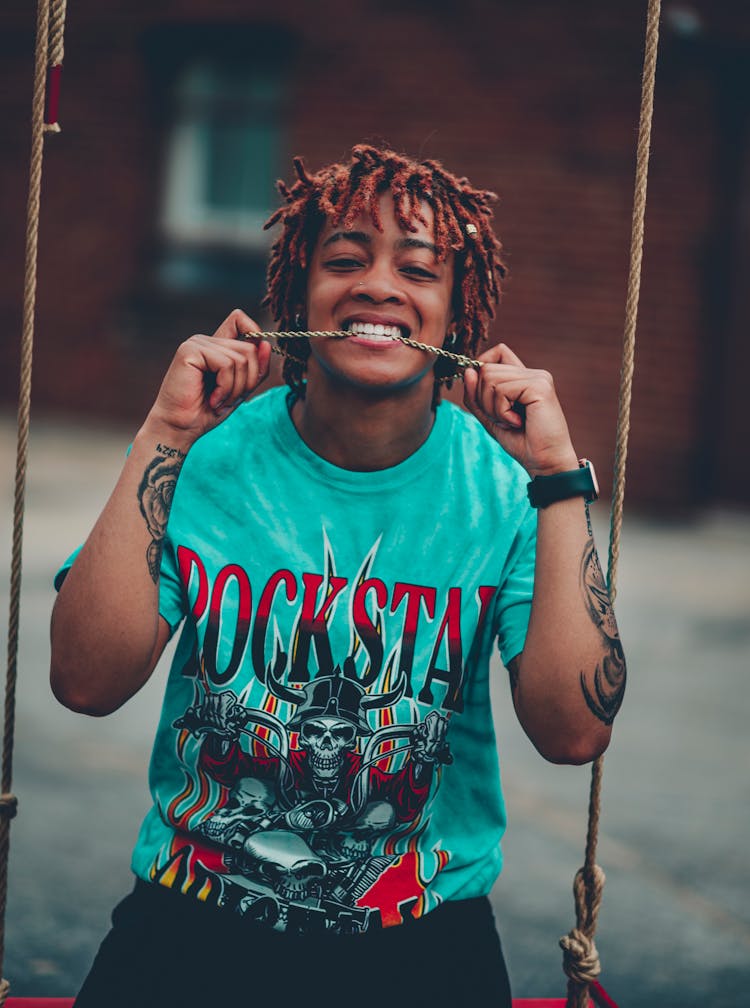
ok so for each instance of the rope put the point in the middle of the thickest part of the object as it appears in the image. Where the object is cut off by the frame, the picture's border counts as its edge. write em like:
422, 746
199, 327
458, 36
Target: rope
460, 360
44, 54
580, 959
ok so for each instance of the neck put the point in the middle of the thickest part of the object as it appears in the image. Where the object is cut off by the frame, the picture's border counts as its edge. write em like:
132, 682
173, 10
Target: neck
359, 430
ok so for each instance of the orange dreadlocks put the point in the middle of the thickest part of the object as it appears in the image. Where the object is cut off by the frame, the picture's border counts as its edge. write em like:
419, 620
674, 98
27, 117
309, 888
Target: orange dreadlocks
341, 192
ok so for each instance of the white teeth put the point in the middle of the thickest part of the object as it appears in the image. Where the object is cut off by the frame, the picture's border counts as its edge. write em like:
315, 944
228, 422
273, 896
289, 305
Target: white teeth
374, 331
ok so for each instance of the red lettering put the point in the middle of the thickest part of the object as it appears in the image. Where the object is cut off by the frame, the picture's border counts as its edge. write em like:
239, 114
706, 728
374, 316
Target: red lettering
453, 675
189, 561
370, 633
314, 625
418, 597
263, 615
242, 629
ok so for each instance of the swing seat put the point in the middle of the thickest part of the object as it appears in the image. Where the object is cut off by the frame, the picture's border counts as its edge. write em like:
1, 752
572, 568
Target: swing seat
68, 1002
599, 997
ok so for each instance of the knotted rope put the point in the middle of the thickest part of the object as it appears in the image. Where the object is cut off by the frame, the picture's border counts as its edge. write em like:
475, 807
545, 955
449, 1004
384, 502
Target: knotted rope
48, 56
580, 958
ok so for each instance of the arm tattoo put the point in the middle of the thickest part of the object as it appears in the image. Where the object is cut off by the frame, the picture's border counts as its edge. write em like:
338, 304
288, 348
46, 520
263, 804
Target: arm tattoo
155, 500
173, 453
609, 675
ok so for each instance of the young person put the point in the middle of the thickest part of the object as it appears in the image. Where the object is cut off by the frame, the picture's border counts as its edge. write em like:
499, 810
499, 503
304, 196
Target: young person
342, 557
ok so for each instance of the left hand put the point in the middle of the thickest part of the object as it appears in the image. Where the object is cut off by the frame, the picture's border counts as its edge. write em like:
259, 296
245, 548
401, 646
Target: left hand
539, 440
428, 740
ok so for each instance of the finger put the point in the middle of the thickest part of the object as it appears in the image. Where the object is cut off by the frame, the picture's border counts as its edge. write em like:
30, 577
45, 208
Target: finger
232, 370
501, 353
252, 368
494, 398
472, 399
471, 381
262, 360
237, 323
221, 383
504, 408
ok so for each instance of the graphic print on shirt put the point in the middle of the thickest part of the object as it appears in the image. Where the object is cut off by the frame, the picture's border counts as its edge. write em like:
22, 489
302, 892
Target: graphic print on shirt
307, 795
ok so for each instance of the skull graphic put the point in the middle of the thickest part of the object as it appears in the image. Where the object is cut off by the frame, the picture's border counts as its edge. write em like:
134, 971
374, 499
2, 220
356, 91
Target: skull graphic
326, 739
284, 862
250, 805
355, 842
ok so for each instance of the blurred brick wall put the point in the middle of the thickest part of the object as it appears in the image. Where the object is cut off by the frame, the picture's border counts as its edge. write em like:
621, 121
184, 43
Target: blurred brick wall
538, 101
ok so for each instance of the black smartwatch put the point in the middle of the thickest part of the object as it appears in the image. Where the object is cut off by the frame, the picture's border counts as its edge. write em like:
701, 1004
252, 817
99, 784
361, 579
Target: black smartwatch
580, 482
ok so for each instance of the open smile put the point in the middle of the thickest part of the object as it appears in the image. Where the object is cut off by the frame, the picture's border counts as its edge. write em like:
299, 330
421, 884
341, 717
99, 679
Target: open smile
383, 333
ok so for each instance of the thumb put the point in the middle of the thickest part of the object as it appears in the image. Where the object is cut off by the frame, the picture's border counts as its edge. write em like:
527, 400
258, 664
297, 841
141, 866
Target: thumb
471, 380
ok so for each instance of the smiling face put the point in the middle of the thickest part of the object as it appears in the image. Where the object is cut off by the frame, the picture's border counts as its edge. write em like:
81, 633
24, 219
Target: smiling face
371, 283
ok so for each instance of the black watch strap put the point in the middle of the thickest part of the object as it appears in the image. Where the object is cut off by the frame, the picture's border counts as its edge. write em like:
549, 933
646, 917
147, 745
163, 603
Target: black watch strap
581, 482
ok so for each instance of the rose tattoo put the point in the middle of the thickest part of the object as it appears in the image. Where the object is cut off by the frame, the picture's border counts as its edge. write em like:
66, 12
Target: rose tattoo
155, 499
605, 699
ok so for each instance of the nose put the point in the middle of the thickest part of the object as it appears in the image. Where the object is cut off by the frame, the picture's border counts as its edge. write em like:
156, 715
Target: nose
377, 286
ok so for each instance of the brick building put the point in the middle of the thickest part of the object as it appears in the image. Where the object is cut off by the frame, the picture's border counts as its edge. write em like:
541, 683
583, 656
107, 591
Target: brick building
177, 117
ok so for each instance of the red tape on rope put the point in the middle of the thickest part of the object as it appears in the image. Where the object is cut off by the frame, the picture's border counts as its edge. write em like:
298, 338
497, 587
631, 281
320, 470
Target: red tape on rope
52, 100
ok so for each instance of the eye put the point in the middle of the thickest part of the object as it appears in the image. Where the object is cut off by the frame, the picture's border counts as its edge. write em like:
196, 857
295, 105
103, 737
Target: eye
418, 272
343, 264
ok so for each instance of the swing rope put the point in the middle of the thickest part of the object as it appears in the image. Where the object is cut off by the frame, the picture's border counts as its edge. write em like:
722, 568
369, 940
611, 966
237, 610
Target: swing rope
47, 67
580, 957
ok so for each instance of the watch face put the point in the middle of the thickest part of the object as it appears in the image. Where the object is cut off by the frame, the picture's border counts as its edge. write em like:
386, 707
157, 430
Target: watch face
586, 464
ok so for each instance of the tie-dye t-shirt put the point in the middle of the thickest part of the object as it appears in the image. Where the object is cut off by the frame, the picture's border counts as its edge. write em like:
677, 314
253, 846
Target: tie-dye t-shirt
326, 758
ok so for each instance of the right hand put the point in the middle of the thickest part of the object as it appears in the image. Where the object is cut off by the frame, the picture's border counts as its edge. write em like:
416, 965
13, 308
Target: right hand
221, 714
208, 378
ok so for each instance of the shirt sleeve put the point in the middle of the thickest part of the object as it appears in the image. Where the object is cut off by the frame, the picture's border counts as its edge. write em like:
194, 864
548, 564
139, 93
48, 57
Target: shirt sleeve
513, 605
65, 567
171, 592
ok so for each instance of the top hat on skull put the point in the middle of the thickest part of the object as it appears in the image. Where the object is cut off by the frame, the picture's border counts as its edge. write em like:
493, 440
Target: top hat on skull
339, 695
333, 697
331, 713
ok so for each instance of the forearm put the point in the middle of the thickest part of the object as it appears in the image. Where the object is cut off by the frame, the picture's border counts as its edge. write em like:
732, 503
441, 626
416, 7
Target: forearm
106, 631
105, 625
569, 681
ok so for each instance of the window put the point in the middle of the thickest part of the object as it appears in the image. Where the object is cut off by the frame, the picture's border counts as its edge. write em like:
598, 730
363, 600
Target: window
224, 155
225, 148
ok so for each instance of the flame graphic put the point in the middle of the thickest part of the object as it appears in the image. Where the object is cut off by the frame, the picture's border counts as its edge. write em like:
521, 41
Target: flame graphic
188, 867
201, 792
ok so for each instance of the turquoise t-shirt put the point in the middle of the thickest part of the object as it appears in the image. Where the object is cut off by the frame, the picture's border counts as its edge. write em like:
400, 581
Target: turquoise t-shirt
325, 758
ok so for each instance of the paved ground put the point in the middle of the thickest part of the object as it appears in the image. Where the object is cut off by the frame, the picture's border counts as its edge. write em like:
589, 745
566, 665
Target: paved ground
675, 924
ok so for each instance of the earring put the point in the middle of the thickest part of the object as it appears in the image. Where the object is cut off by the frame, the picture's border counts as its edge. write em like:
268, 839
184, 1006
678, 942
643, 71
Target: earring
298, 321
450, 340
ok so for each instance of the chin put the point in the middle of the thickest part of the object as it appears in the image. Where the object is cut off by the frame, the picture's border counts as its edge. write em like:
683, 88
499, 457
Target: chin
375, 381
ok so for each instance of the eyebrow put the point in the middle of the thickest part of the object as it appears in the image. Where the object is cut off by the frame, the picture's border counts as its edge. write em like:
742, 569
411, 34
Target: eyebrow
362, 238
417, 243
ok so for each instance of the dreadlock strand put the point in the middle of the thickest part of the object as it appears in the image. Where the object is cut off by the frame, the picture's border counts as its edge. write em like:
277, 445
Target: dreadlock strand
302, 175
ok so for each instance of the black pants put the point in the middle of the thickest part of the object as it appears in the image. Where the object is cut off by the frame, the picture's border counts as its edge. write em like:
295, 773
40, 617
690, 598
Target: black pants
168, 950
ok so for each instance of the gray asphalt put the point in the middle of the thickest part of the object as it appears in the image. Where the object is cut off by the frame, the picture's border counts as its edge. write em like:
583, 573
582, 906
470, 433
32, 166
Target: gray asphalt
674, 928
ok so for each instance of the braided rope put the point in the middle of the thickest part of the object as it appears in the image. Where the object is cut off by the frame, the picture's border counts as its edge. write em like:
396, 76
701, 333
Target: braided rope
8, 802
460, 360
56, 47
580, 960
